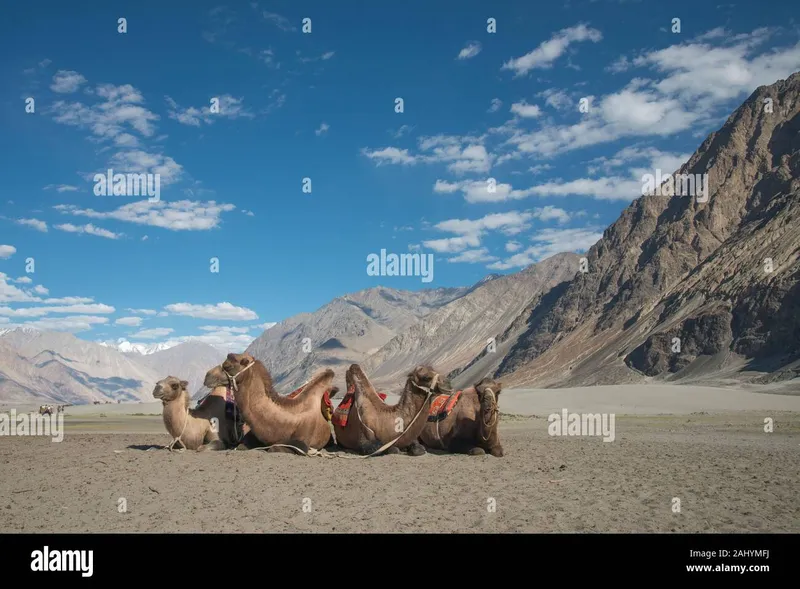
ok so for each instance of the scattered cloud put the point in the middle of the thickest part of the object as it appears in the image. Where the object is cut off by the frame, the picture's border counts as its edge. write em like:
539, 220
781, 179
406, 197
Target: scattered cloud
141, 311
471, 50
219, 311
174, 215
66, 82
473, 257
88, 228
526, 110
6, 251
152, 333
323, 128
224, 106
549, 51
61, 187
35, 223
129, 321
495, 105
549, 242
279, 21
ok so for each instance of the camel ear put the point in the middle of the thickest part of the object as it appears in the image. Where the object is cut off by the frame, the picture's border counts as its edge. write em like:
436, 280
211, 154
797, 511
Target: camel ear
499, 388
244, 361
231, 357
184, 384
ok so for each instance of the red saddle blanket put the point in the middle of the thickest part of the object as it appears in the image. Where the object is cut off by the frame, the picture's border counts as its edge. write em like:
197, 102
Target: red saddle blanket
442, 406
341, 413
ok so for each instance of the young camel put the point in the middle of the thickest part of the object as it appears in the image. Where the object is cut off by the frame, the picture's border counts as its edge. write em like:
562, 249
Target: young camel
369, 424
273, 418
468, 427
201, 429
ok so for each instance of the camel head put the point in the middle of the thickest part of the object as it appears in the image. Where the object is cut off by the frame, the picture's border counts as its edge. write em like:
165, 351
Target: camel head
233, 365
489, 395
427, 378
170, 388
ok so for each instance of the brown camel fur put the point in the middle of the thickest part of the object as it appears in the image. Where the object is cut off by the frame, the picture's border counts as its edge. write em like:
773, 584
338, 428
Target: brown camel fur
273, 418
371, 422
471, 426
203, 428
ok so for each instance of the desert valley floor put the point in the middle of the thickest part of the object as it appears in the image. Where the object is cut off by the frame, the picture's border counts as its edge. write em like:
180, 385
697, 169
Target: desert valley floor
676, 442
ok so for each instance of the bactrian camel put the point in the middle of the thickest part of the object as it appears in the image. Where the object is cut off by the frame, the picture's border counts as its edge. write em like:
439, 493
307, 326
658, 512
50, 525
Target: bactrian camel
203, 428
275, 419
369, 425
465, 421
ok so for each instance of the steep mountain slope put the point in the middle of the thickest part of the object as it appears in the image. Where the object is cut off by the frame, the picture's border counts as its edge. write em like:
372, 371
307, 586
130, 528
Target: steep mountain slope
61, 367
344, 331
452, 336
188, 361
683, 289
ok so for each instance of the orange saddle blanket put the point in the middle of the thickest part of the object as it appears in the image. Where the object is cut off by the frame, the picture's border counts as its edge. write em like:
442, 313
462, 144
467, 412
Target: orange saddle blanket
341, 413
442, 406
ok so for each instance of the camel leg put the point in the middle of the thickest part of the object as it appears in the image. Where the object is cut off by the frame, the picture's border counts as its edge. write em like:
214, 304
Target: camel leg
476, 451
416, 449
496, 451
394, 450
214, 445
250, 441
302, 446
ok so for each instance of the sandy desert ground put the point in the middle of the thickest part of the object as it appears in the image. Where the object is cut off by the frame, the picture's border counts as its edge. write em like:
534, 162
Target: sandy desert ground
706, 447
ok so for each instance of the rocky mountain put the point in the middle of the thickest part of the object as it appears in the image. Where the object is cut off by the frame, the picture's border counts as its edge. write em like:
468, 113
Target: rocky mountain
59, 367
346, 330
479, 323
127, 347
683, 288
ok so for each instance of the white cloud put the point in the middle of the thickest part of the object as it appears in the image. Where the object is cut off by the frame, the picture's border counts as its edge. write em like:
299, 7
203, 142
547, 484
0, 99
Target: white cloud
322, 129
279, 21
265, 326
390, 155
75, 323
228, 328
66, 82
61, 187
93, 308
549, 51
495, 105
35, 223
229, 107
88, 228
175, 215
550, 242
442, 186
152, 333
142, 162
219, 311
513, 246
473, 257
141, 311
555, 98
120, 108
471, 50
129, 321
23, 280
451, 245
40, 290
525, 110
6, 251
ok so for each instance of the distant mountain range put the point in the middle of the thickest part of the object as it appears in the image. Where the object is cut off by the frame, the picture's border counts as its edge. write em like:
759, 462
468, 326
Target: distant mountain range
679, 288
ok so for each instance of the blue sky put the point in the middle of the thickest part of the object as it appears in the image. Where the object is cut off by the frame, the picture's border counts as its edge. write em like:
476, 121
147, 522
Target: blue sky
477, 106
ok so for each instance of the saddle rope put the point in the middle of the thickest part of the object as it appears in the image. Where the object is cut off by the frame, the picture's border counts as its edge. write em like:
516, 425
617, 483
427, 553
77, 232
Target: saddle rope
178, 439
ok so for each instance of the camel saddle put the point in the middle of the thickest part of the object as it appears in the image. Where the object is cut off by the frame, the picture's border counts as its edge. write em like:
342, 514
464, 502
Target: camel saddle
442, 406
328, 412
341, 413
